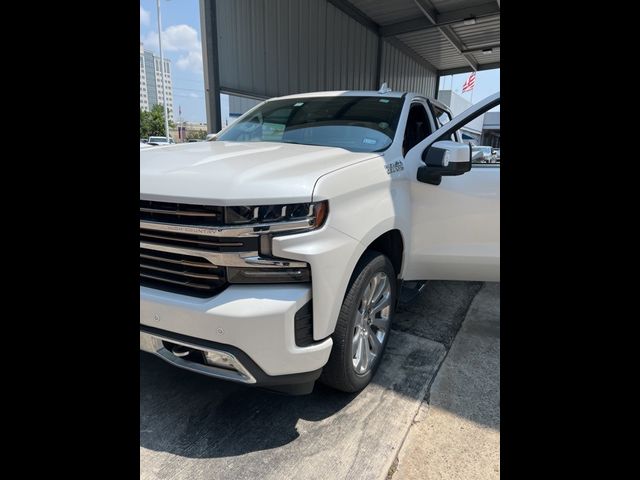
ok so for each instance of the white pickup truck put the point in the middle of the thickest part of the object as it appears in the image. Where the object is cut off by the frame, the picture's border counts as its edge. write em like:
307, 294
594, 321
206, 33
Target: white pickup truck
275, 254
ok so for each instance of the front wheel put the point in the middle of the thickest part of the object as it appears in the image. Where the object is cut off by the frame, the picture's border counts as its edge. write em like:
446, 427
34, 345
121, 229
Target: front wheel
363, 326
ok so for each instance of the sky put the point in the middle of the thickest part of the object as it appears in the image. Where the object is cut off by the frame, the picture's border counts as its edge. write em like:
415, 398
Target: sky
181, 43
487, 83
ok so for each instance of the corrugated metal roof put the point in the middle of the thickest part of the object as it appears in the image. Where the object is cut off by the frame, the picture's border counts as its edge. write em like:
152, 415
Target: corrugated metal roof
444, 48
485, 31
444, 6
387, 12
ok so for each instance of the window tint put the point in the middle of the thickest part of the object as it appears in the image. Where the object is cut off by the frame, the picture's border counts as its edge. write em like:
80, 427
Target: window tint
417, 129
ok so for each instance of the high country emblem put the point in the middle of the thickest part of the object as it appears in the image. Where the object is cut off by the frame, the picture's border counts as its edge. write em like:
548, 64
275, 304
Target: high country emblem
394, 167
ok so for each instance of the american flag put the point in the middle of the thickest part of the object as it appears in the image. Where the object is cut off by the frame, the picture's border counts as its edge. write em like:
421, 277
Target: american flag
468, 85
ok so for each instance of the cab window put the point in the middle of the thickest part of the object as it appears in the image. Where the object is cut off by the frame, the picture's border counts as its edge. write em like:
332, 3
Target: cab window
417, 128
442, 117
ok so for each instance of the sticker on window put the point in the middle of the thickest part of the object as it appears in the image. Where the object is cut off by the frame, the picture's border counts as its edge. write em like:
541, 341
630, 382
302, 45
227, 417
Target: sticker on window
384, 100
299, 104
369, 141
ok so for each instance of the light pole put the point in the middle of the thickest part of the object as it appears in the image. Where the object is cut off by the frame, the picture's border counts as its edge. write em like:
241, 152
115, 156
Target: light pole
164, 83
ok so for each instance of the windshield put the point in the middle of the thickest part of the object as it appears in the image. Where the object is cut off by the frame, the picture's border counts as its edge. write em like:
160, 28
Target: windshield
359, 124
158, 139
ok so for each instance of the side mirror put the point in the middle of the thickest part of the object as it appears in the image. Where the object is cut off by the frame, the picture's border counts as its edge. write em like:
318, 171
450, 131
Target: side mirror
444, 158
211, 137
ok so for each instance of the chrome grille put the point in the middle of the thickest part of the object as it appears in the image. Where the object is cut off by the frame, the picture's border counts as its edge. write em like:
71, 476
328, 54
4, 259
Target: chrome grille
170, 260
181, 214
180, 273
187, 249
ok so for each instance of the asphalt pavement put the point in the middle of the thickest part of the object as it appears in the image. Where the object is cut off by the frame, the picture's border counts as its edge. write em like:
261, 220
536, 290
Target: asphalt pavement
194, 427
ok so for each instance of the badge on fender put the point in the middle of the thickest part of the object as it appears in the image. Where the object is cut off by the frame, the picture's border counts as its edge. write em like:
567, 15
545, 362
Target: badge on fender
394, 167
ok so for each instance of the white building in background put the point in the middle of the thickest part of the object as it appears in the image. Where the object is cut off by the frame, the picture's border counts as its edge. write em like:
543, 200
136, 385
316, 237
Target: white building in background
471, 132
151, 86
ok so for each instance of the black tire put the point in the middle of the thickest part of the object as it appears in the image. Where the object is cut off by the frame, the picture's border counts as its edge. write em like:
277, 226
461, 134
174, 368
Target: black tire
339, 372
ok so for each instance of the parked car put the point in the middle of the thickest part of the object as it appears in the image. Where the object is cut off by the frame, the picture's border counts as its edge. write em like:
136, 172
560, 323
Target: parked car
160, 141
481, 154
275, 255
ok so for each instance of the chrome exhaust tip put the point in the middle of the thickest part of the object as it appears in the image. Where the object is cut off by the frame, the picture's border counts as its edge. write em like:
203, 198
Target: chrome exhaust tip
180, 351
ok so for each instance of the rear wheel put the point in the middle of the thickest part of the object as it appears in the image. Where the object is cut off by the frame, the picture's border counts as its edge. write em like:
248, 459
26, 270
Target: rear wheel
363, 326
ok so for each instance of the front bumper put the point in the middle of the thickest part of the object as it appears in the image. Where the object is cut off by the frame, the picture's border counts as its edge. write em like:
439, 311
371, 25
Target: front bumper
253, 323
232, 363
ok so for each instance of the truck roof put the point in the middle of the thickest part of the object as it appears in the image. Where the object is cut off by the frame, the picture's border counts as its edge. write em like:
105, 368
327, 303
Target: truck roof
343, 93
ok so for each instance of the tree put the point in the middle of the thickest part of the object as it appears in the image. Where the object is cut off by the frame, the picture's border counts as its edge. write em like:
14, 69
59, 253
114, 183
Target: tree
152, 122
197, 134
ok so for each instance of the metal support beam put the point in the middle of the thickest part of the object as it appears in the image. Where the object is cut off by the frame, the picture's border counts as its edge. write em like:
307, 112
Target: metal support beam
485, 10
209, 34
455, 71
357, 14
480, 48
477, 11
430, 12
379, 63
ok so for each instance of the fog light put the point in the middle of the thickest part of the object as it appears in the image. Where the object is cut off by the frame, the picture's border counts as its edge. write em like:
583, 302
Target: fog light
220, 360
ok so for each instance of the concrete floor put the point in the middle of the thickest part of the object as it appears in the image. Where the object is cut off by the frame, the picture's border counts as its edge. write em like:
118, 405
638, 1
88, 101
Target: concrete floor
456, 435
195, 427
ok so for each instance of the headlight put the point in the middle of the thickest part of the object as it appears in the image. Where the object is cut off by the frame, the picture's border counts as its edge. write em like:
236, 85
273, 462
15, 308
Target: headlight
313, 213
275, 220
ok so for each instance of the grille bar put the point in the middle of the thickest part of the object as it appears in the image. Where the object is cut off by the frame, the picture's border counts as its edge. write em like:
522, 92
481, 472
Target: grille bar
185, 273
176, 282
187, 263
188, 240
179, 212
180, 273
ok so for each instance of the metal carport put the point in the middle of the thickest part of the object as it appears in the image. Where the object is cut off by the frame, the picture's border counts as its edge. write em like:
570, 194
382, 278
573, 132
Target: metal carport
266, 48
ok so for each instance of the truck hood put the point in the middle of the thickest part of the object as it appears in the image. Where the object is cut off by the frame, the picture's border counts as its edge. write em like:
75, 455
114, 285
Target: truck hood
228, 173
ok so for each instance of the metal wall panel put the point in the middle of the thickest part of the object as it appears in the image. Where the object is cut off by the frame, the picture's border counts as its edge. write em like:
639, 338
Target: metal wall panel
277, 47
269, 48
403, 73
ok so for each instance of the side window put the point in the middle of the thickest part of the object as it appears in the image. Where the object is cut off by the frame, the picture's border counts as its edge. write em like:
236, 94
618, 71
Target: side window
442, 117
417, 128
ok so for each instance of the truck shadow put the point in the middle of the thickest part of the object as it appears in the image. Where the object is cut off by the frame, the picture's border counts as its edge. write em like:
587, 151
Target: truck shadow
190, 415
